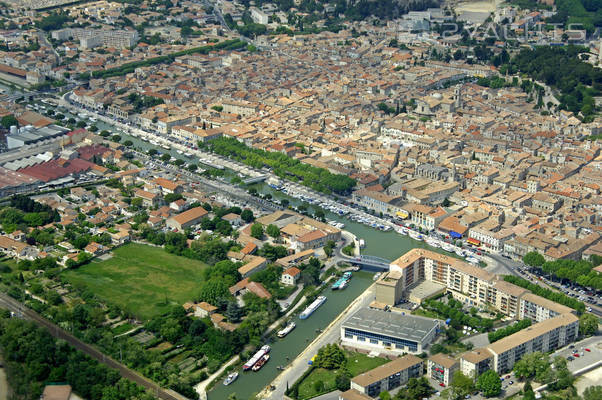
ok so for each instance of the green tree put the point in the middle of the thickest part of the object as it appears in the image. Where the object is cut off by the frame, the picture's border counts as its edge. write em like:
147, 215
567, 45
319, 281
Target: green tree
273, 230
165, 157
384, 395
588, 324
533, 259
342, 381
214, 290
8, 121
535, 365
257, 230
489, 383
330, 356
461, 386
247, 215
563, 378
592, 393
528, 393
233, 312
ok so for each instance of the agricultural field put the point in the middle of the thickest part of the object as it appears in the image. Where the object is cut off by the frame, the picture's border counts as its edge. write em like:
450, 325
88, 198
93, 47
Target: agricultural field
143, 280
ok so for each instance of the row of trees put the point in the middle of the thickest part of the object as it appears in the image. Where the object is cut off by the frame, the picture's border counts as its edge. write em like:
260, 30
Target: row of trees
547, 293
580, 272
509, 330
128, 68
284, 166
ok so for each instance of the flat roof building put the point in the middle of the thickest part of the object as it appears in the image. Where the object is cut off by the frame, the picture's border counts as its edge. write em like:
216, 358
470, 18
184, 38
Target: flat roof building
389, 332
388, 376
29, 135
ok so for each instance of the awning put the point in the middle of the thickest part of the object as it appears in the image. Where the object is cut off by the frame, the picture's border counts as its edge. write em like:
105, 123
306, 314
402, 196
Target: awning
455, 234
474, 241
402, 214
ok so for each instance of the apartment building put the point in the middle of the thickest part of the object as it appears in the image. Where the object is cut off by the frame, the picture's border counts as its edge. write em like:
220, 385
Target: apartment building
539, 309
388, 376
473, 363
90, 38
442, 368
427, 217
467, 283
544, 336
238, 107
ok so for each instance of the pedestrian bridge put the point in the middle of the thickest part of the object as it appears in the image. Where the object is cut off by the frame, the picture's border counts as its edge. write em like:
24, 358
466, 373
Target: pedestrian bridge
368, 262
255, 179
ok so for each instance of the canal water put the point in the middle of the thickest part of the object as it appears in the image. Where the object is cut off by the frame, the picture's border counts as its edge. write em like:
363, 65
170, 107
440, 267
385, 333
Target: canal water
286, 349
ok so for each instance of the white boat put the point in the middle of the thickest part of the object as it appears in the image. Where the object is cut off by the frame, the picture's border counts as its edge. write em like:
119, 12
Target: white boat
287, 329
312, 307
447, 247
415, 235
230, 378
432, 242
189, 155
166, 147
472, 260
256, 357
362, 243
179, 152
376, 276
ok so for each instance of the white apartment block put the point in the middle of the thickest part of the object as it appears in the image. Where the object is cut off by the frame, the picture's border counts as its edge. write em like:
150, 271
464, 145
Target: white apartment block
90, 38
539, 309
258, 16
544, 336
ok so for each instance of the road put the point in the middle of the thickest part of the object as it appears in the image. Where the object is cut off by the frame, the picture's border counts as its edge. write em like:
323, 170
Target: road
22, 311
330, 335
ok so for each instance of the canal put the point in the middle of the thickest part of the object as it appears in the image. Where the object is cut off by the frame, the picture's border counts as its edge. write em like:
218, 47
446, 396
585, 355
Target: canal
285, 350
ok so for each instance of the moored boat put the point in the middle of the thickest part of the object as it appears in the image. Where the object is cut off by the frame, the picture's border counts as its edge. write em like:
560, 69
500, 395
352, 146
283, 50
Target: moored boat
261, 362
287, 329
230, 378
312, 307
256, 357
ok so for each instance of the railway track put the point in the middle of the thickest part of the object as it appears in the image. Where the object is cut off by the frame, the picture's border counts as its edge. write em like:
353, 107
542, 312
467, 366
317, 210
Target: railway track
22, 311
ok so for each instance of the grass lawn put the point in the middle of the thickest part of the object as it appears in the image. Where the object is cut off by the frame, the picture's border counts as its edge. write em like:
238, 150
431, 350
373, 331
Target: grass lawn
357, 363
139, 278
122, 329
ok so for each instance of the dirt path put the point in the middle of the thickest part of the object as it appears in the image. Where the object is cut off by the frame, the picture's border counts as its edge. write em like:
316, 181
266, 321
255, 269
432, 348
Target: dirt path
3, 385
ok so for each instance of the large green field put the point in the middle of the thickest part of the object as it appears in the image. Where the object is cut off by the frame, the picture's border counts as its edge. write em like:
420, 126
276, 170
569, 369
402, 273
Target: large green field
139, 278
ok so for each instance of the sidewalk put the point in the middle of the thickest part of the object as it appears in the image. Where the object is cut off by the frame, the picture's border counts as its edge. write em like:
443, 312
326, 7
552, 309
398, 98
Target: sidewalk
201, 387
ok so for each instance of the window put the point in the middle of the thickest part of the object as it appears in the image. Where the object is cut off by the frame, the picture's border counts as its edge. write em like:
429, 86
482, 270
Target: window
375, 338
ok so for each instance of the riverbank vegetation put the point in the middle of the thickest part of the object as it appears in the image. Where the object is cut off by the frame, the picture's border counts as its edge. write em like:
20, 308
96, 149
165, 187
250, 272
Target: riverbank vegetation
283, 166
